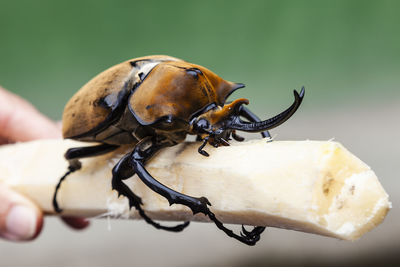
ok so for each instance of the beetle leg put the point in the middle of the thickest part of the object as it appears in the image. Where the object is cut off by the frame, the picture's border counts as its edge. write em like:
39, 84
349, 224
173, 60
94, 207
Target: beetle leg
72, 155
200, 149
89, 151
245, 112
237, 137
55, 203
124, 170
197, 205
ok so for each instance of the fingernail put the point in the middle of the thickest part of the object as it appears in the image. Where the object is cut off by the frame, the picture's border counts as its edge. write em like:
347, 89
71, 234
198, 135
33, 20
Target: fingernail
21, 223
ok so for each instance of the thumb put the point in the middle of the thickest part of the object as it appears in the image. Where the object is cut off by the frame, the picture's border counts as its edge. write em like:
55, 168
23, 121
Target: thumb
20, 219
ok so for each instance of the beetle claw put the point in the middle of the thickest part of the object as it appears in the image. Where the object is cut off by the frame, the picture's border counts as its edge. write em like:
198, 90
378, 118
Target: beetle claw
204, 153
252, 237
248, 237
237, 137
244, 231
200, 149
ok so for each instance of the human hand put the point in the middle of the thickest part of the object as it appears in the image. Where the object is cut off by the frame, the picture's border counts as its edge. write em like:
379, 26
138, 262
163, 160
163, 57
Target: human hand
20, 218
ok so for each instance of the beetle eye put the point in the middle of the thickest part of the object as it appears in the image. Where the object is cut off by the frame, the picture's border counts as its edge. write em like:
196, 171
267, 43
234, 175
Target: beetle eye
195, 72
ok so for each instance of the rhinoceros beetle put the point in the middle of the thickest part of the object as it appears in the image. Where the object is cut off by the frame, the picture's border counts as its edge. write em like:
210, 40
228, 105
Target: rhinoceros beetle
151, 103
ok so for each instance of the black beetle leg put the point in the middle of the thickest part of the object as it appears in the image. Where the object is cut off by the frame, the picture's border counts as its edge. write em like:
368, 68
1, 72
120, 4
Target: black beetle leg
200, 149
89, 151
124, 170
245, 112
72, 155
236, 136
197, 205
71, 169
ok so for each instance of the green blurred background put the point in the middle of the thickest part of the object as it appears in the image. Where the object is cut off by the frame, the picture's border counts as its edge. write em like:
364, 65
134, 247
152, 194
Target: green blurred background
346, 54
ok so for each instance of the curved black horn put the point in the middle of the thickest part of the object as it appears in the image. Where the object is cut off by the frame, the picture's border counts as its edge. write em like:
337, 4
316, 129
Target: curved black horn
273, 122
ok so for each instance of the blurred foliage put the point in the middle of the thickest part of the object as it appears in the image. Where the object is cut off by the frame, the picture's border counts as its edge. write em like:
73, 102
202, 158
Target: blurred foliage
344, 52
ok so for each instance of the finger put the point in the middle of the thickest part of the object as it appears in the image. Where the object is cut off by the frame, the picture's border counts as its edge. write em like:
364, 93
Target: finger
76, 223
20, 121
20, 219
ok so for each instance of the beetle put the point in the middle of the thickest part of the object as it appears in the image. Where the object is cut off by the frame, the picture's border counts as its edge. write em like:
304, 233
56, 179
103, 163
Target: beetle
151, 103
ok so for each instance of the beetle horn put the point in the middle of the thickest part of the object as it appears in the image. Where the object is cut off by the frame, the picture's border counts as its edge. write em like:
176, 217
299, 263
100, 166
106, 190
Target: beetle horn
225, 89
238, 124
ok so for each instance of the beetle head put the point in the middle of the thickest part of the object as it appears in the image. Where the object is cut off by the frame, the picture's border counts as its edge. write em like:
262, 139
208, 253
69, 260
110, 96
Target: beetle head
214, 124
218, 123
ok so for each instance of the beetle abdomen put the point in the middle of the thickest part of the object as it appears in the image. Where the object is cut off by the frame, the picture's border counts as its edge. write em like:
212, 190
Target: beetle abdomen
88, 107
